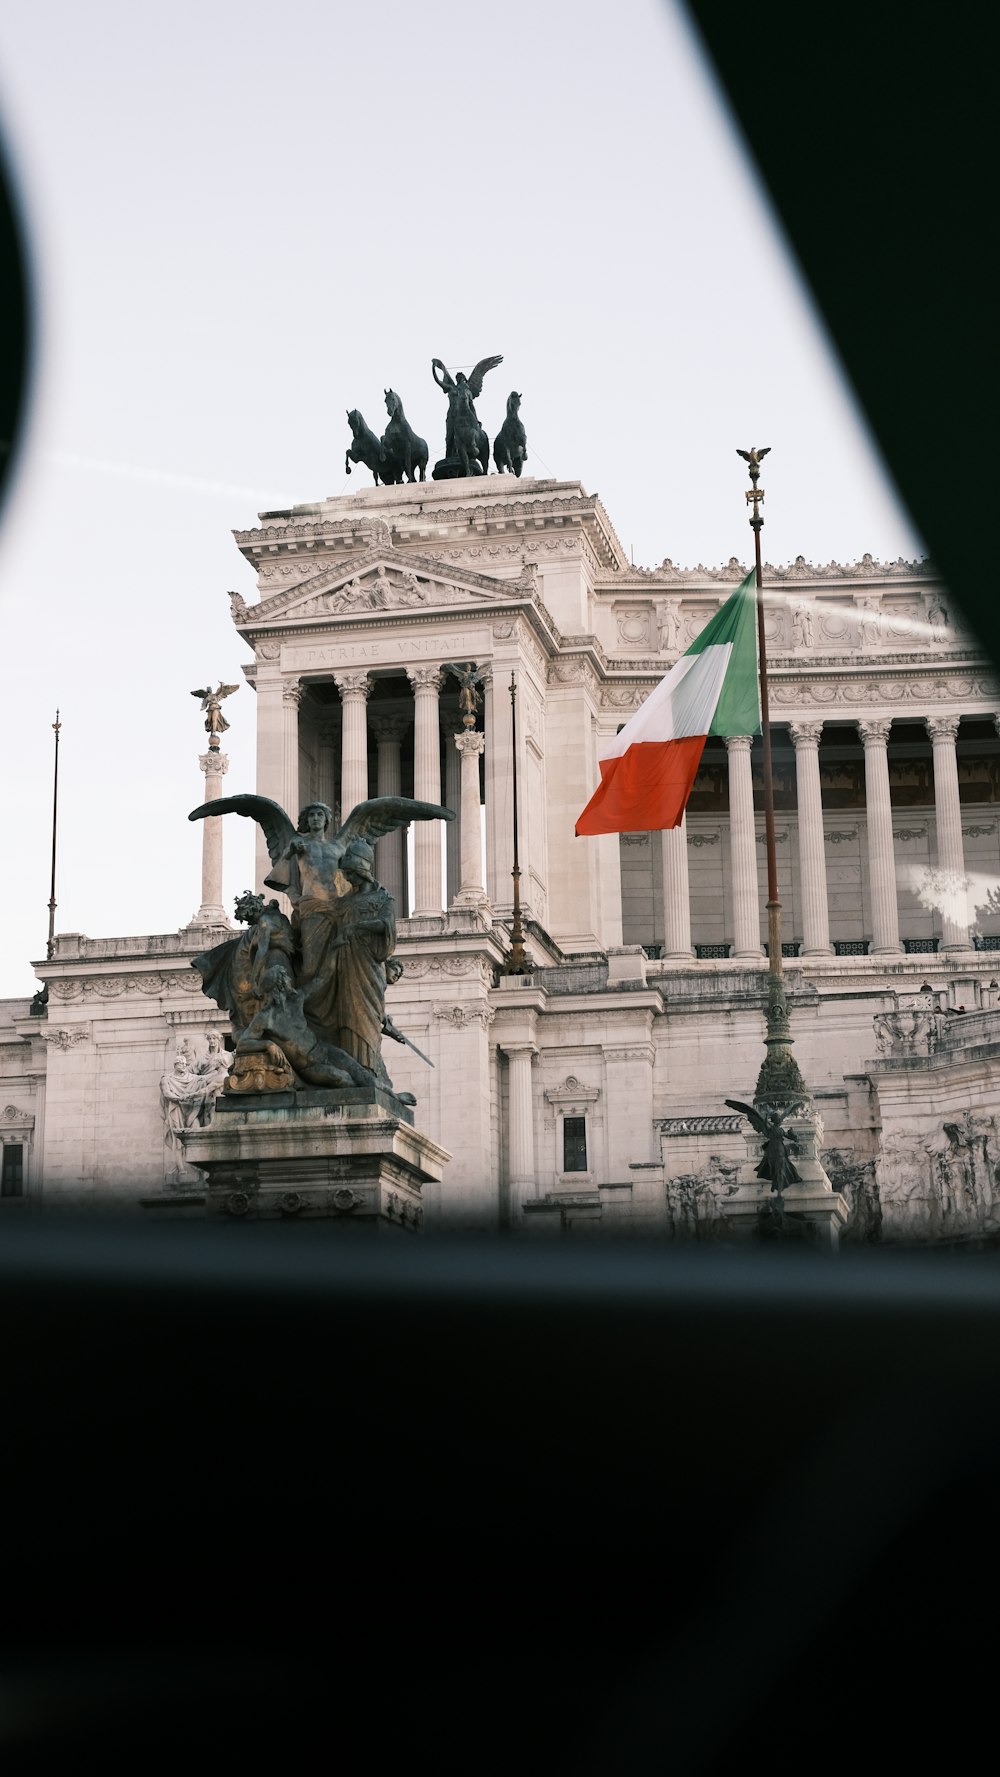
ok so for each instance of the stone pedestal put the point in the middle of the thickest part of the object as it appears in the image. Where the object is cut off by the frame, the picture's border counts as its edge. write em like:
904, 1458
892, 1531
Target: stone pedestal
813, 1197
352, 1156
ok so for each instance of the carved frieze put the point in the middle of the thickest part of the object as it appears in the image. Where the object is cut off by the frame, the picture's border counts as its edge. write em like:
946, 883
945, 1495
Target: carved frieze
110, 987
462, 1016
420, 968
13, 1116
859, 691
633, 625
622, 697
65, 1040
572, 1096
721, 1125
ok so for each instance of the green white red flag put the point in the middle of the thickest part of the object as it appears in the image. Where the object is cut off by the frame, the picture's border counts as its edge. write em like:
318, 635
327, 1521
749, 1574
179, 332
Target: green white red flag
647, 770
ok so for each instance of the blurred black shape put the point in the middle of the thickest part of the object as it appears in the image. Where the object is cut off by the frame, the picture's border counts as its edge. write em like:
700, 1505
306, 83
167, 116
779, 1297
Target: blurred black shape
15, 324
579, 1507
873, 129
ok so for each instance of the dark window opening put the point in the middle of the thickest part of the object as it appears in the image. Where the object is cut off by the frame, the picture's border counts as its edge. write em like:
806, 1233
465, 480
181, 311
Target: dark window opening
574, 1144
12, 1177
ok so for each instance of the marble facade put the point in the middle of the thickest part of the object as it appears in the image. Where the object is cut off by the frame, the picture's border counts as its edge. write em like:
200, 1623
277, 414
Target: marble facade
590, 1095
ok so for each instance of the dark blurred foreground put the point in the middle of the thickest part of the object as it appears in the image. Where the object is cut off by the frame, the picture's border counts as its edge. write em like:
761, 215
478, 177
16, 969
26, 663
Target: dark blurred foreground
578, 1507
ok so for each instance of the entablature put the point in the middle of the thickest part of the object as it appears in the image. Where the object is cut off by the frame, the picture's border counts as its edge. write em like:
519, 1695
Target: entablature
449, 514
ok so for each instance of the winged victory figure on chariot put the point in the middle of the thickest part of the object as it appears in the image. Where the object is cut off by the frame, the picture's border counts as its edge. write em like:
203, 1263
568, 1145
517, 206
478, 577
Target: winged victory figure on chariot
465, 440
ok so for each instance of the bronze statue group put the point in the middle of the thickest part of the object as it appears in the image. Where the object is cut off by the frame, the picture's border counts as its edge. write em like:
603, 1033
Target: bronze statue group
306, 995
399, 455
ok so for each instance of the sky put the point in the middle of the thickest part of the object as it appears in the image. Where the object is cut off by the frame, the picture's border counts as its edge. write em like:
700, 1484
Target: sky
243, 221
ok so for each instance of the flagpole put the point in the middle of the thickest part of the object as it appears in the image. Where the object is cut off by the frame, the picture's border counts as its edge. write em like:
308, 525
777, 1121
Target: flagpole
50, 946
779, 1080
517, 962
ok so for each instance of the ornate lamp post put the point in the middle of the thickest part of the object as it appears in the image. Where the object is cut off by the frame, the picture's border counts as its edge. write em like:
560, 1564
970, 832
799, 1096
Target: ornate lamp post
779, 1082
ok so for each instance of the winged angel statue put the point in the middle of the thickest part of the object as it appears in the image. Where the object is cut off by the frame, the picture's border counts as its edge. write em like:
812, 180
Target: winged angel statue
306, 996
465, 438
211, 705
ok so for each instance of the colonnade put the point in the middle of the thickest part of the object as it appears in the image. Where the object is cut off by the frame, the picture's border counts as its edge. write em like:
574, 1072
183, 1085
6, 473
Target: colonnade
814, 905
459, 791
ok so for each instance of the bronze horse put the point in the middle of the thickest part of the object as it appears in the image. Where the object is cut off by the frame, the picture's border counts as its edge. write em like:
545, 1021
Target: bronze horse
366, 448
404, 454
510, 447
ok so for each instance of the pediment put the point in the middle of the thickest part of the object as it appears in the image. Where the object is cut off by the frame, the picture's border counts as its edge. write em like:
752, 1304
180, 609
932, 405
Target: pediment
377, 581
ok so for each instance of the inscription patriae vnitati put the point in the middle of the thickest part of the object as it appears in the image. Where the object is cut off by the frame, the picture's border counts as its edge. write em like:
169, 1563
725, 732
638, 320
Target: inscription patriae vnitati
389, 649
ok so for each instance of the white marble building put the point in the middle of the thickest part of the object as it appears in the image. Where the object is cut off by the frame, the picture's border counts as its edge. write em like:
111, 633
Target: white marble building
591, 1094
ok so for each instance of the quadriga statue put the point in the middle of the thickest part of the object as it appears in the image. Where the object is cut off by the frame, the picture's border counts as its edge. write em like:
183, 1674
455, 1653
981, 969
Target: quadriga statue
306, 996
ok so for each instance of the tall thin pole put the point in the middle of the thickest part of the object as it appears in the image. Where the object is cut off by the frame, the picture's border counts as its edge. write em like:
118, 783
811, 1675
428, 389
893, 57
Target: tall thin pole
518, 962
779, 1080
756, 495
50, 946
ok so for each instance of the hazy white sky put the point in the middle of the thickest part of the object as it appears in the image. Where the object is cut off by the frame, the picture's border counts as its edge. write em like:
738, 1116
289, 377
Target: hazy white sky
245, 219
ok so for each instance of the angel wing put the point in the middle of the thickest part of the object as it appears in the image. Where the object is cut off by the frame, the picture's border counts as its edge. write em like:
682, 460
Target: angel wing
278, 830
474, 677
226, 690
203, 694
475, 381
753, 1116
373, 820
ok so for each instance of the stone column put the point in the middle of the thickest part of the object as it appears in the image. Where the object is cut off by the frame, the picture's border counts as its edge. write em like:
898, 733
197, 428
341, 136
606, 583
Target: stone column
498, 790
215, 765
743, 849
452, 799
326, 736
426, 682
676, 893
469, 746
954, 902
521, 1146
881, 857
291, 697
354, 689
812, 840
270, 757
390, 852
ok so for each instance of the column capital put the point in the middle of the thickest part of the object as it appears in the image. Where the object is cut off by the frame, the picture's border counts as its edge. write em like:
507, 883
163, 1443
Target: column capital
738, 743
942, 727
512, 1049
875, 734
388, 729
470, 741
425, 678
214, 764
292, 692
805, 734
353, 687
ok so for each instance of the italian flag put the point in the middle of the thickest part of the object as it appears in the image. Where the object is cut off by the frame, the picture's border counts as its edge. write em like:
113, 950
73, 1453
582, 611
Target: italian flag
648, 769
